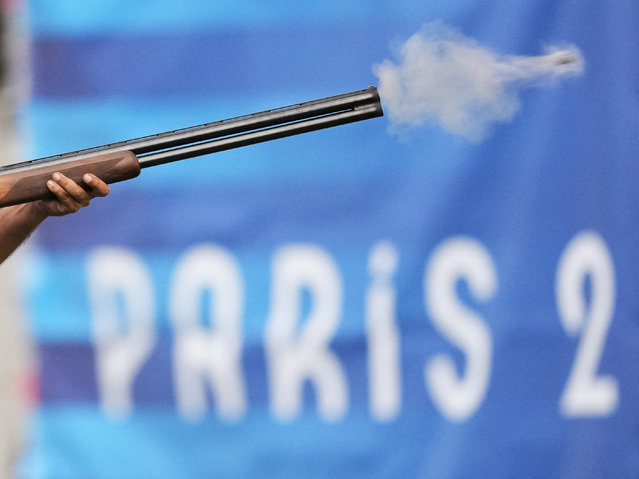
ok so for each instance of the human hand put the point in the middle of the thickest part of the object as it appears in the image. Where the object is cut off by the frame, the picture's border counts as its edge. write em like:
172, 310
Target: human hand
69, 195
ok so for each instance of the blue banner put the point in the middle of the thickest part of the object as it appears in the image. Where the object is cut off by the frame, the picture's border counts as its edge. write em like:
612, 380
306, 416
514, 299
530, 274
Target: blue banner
408, 296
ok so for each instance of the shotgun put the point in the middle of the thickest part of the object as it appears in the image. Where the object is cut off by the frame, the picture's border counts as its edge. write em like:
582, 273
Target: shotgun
26, 181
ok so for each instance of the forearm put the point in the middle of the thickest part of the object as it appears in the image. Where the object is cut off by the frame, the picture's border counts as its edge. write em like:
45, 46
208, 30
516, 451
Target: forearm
19, 221
16, 225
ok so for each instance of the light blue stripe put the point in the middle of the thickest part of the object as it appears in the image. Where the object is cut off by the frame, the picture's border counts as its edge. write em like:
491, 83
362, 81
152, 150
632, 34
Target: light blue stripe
80, 442
68, 17
56, 286
66, 125
59, 311
345, 153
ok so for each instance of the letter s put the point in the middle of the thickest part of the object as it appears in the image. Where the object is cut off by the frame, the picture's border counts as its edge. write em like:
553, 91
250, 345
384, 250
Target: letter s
460, 258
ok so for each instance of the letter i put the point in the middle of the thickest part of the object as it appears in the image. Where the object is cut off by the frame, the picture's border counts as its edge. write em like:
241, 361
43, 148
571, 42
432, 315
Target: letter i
382, 334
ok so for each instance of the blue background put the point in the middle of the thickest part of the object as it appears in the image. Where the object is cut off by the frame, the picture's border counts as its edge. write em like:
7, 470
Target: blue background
567, 163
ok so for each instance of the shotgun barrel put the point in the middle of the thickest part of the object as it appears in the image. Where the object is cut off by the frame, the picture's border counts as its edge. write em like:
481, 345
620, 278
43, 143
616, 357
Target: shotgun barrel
113, 162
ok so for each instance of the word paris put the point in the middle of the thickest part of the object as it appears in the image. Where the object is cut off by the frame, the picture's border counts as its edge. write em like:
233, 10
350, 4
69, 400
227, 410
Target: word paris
305, 312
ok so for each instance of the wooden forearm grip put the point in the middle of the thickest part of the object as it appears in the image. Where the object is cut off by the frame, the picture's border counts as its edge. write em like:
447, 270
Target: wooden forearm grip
28, 183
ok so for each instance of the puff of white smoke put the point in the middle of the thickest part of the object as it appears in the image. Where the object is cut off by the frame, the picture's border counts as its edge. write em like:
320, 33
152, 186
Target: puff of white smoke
445, 78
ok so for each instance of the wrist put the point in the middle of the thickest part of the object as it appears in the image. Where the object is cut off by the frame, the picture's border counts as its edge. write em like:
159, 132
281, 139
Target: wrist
34, 212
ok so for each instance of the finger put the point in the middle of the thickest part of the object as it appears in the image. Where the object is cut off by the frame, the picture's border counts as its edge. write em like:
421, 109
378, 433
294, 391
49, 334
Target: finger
73, 191
66, 203
97, 187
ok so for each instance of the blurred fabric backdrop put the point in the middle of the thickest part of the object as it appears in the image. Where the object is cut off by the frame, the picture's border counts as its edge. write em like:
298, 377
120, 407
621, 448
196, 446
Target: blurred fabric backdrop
346, 303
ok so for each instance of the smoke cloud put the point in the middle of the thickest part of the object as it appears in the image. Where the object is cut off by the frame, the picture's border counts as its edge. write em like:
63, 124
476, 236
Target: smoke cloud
444, 78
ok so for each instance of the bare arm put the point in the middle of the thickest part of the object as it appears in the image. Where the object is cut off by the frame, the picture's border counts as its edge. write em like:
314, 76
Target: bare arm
19, 221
